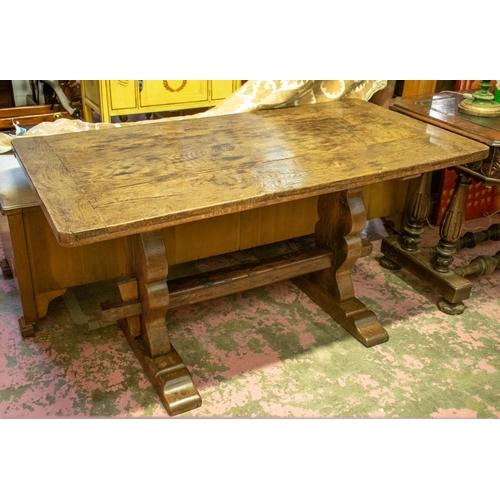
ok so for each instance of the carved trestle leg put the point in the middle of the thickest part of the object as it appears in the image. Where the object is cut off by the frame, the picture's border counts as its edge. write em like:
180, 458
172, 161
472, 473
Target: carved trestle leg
342, 217
147, 333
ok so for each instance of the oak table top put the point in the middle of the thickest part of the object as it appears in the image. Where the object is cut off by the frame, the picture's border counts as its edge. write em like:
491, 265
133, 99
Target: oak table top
99, 185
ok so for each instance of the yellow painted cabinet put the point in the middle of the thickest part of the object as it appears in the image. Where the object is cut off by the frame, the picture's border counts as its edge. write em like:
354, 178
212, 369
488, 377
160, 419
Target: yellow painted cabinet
125, 97
122, 95
223, 88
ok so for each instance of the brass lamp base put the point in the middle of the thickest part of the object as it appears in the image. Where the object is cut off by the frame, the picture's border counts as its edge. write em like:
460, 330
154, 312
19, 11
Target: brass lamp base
481, 103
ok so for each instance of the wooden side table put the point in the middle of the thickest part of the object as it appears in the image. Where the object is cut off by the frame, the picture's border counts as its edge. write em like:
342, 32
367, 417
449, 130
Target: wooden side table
433, 265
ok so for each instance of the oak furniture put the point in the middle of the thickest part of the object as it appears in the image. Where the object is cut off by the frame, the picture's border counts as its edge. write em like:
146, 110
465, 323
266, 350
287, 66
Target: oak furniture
44, 270
127, 97
134, 182
433, 266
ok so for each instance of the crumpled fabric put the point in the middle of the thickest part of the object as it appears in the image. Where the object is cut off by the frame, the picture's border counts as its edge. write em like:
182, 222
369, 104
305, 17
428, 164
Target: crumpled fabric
252, 95
270, 94
59, 126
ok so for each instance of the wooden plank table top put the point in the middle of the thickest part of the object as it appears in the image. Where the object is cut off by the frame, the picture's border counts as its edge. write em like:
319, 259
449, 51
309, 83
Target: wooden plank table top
103, 184
133, 181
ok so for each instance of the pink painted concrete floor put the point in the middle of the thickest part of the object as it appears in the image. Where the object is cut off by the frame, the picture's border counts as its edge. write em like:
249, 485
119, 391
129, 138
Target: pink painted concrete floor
269, 352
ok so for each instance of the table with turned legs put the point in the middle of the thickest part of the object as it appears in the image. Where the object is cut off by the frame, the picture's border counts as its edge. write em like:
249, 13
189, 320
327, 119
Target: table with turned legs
434, 266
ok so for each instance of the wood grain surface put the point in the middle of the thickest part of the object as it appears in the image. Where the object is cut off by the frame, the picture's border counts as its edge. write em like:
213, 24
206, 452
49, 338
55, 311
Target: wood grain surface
442, 110
99, 185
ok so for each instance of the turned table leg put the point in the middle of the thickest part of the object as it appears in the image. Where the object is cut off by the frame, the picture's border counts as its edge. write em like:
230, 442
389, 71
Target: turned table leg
452, 224
417, 213
342, 217
431, 265
147, 333
449, 232
480, 266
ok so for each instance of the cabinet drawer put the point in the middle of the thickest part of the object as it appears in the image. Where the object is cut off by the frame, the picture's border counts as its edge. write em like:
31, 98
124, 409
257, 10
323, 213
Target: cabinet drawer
123, 94
159, 92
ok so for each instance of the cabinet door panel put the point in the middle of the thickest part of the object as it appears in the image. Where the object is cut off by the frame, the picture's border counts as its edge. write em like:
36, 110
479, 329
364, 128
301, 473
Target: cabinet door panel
92, 91
222, 89
159, 92
123, 95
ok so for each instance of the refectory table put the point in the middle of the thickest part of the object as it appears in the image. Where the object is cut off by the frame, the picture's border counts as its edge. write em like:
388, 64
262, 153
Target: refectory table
133, 181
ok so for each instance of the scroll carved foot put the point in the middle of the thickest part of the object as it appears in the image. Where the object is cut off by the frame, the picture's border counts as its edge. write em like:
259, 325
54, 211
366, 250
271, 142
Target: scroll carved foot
450, 308
168, 375
352, 314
